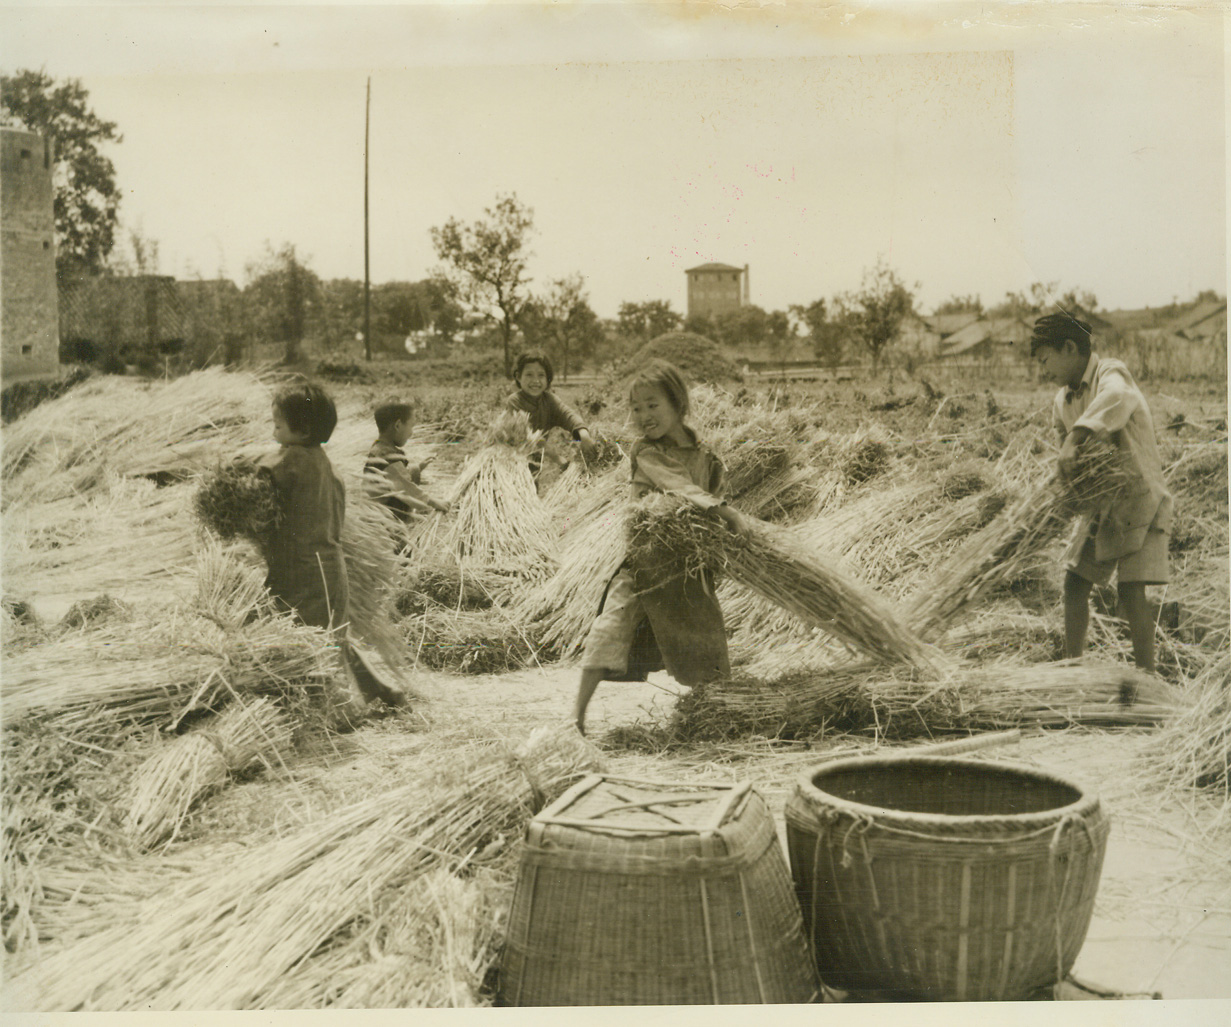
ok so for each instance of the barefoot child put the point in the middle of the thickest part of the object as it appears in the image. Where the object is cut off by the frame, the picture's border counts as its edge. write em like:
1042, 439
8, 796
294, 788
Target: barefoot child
682, 612
1129, 534
533, 374
392, 480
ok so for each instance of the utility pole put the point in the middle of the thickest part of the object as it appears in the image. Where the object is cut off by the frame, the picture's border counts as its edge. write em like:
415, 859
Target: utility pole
367, 277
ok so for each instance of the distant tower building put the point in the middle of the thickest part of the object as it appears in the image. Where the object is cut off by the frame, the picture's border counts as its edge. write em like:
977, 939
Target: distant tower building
29, 333
716, 289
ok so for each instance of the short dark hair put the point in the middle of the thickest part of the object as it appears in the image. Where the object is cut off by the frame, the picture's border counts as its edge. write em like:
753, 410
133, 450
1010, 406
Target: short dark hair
1053, 330
660, 374
533, 358
307, 410
388, 414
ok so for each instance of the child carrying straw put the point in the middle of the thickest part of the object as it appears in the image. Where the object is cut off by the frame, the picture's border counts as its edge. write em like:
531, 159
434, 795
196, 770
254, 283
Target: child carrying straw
307, 570
391, 478
652, 617
1127, 534
534, 374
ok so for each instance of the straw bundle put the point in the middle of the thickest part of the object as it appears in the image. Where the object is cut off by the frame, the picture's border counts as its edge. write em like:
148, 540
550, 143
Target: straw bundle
156, 670
131, 540
1194, 749
564, 605
166, 786
894, 702
770, 563
1006, 548
126, 426
237, 501
372, 567
484, 642
224, 935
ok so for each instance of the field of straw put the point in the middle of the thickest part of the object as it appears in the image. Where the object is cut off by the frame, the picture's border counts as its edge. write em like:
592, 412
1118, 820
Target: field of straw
201, 812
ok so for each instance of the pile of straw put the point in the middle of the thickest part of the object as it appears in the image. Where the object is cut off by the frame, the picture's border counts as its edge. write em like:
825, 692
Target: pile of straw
1007, 548
1194, 749
484, 642
226, 933
129, 427
166, 786
663, 531
898, 703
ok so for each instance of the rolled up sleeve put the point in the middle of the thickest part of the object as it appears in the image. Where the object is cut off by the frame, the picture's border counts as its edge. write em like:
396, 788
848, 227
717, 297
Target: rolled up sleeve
1111, 407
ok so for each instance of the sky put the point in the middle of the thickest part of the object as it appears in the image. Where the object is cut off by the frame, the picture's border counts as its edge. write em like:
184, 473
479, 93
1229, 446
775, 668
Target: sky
977, 148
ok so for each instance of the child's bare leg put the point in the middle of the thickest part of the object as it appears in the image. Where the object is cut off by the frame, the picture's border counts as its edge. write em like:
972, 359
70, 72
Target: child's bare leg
1076, 614
585, 689
1135, 610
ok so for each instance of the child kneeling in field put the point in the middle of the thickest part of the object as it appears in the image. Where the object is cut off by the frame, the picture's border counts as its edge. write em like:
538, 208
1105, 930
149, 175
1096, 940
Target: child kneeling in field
680, 611
1128, 535
391, 479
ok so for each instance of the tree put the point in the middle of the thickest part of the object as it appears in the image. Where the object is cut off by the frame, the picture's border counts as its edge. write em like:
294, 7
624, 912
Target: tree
561, 322
282, 298
743, 327
647, 320
875, 313
827, 335
87, 201
486, 263
961, 305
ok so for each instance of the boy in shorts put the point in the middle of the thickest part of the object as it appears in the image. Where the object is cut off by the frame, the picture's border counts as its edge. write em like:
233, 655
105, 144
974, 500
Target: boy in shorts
1128, 535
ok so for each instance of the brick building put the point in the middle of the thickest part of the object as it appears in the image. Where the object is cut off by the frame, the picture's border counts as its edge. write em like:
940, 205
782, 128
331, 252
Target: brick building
716, 289
29, 339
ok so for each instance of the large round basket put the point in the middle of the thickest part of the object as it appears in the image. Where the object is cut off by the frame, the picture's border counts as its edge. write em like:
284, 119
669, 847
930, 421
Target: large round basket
941, 878
634, 892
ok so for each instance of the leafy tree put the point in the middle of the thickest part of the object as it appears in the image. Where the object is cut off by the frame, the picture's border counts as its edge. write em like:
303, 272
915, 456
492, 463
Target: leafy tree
647, 320
874, 314
561, 322
485, 262
87, 201
827, 335
282, 298
961, 305
742, 327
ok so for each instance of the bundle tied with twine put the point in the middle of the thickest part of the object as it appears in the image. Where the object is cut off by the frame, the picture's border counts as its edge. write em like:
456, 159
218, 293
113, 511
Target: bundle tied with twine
167, 785
227, 932
666, 531
901, 703
1009, 545
497, 518
1194, 749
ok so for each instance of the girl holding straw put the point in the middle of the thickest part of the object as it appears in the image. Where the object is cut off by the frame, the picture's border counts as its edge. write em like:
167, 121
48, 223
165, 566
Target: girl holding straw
307, 571
656, 616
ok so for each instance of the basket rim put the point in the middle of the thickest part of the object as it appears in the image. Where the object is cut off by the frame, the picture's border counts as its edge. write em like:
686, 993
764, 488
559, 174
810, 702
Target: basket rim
1086, 803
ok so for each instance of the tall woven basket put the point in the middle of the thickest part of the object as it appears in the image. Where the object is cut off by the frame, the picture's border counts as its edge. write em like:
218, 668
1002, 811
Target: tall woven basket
634, 892
940, 878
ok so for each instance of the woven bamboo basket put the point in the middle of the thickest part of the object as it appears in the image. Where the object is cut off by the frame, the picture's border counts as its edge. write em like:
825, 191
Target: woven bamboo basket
634, 892
939, 878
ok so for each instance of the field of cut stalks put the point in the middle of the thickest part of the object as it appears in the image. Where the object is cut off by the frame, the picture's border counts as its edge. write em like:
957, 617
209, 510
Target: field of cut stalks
189, 826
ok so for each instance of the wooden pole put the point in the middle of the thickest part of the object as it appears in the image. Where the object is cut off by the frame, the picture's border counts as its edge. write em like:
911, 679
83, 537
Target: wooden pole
367, 279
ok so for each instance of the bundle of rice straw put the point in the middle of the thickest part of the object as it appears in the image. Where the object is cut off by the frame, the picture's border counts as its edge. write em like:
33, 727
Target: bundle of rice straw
127, 426
372, 569
497, 519
223, 934
166, 786
129, 539
563, 606
1006, 548
897, 702
237, 501
768, 561
157, 669
470, 642
1194, 749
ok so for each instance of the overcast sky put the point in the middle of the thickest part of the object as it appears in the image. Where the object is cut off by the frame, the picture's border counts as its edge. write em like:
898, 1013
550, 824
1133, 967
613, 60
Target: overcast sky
977, 148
